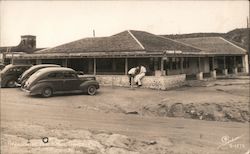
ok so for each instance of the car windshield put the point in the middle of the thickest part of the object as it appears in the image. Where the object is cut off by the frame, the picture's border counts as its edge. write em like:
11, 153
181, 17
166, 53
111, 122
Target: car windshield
6, 68
34, 76
33, 69
26, 72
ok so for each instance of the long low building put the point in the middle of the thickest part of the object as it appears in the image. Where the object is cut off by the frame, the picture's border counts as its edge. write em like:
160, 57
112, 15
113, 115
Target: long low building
116, 54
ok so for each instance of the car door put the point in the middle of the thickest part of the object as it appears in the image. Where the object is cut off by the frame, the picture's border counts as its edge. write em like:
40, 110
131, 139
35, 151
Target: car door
71, 81
55, 79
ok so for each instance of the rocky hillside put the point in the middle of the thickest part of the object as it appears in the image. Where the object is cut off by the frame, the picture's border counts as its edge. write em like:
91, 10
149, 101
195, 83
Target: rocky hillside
237, 36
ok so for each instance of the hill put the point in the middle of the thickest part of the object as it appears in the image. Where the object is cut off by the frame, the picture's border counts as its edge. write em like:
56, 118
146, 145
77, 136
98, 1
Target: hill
238, 36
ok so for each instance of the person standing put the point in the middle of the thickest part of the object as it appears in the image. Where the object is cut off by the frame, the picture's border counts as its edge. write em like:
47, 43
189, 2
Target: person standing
132, 73
142, 73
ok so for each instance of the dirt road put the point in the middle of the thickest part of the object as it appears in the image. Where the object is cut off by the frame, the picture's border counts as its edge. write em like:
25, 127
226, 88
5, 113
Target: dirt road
97, 124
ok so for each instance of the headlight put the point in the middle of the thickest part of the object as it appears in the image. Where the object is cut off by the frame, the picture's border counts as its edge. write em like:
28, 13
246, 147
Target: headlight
26, 84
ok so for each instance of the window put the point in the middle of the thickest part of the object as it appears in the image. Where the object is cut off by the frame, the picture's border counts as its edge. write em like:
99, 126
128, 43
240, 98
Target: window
69, 75
55, 75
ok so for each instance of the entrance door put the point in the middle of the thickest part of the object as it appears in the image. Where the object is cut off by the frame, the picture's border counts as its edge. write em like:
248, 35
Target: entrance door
71, 81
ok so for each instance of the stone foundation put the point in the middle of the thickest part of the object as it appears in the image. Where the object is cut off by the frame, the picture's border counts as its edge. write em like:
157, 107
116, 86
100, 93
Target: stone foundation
199, 76
235, 70
152, 82
225, 71
213, 74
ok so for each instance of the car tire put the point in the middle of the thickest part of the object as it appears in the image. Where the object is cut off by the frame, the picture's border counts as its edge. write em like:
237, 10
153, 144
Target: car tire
47, 92
91, 90
11, 83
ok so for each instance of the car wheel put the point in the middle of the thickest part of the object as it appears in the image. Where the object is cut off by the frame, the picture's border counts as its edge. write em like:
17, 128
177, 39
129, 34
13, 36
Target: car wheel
11, 84
47, 92
91, 90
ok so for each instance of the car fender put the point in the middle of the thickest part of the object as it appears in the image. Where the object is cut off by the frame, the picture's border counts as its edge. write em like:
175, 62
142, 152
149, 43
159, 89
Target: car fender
84, 85
37, 88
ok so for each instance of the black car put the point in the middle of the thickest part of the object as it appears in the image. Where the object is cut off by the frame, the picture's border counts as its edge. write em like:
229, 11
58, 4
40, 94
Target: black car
48, 81
11, 73
24, 77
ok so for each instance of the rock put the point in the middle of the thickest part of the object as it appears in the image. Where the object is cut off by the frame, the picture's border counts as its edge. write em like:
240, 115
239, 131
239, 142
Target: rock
233, 114
176, 110
206, 111
87, 145
155, 110
120, 141
132, 112
149, 142
245, 115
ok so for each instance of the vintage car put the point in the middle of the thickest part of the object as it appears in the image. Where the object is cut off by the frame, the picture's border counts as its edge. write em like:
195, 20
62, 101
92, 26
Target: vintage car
11, 73
49, 81
24, 77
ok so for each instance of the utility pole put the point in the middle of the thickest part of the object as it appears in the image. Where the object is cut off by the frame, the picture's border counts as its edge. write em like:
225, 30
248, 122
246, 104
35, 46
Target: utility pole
93, 33
247, 23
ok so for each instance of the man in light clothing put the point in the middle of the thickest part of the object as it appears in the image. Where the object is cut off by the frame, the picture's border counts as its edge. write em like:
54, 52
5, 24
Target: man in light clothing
142, 72
132, 73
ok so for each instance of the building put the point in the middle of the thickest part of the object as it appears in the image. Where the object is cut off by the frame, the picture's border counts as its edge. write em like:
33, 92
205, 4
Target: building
116, 54
26, 45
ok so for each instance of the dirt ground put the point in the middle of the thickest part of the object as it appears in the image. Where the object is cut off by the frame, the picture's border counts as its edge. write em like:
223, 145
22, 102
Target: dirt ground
207, 117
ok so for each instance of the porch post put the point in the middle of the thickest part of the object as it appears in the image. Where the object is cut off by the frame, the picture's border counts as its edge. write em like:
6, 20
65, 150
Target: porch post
94, 66
155, 64
162, 67
113, 65
235, 69
182, 65
171, 63
199, 75
224, 62
90, 65
126, 66
213, 71
224, 71
199, 64
213, 63
245, 63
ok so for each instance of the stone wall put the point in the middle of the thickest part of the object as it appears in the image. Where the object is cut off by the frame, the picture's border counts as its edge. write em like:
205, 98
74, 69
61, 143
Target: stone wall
152, 82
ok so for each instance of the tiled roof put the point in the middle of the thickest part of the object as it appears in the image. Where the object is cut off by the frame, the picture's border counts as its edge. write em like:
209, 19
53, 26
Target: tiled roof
119, 42
217, 45
153, 42
128, 41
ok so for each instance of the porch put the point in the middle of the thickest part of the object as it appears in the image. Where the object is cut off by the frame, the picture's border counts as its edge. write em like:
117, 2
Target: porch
198, 66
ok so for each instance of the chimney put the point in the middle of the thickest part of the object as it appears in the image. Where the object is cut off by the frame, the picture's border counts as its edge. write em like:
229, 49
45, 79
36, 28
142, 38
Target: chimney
28, 41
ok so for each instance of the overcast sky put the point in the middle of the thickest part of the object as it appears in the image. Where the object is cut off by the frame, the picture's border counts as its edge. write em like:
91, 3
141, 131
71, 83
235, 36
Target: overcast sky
57, 22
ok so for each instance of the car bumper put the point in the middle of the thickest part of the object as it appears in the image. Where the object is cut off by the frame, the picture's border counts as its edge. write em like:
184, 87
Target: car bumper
17, 84
31, 92
28, 91
25, 90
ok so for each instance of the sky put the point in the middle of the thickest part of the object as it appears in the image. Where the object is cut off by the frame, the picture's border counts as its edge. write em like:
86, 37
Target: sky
58, 22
